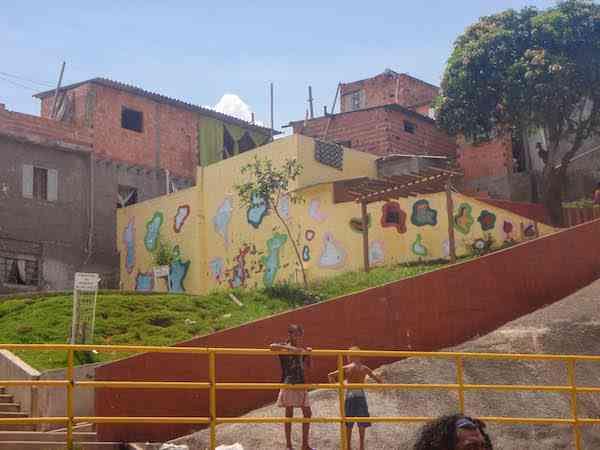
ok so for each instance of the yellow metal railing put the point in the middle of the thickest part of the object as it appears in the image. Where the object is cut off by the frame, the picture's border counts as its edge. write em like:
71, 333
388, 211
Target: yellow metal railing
213, 386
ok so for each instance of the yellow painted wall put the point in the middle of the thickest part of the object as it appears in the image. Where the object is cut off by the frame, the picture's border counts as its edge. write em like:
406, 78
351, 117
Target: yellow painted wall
226, 250
139, 216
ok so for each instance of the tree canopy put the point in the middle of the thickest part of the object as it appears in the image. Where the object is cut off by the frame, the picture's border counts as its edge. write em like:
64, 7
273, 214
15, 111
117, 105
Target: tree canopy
526, 69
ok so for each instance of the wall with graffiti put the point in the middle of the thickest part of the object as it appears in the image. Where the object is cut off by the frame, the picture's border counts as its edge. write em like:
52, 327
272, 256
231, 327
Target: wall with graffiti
222, 245
171, 220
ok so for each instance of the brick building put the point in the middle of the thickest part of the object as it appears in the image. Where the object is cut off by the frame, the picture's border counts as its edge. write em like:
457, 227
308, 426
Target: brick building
103, 145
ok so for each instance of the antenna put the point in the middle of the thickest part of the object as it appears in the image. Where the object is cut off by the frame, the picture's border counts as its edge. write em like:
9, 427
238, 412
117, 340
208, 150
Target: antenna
60, 77
310, 102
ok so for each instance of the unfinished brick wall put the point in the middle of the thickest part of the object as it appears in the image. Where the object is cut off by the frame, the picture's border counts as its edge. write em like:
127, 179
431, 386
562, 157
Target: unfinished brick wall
168, 137
381, 131
490, 159
387, 88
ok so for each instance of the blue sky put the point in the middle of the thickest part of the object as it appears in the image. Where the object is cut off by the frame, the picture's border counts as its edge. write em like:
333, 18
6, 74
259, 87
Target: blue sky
199, 50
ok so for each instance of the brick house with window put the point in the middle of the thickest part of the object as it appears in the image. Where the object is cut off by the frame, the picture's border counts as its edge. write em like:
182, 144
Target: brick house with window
102, 145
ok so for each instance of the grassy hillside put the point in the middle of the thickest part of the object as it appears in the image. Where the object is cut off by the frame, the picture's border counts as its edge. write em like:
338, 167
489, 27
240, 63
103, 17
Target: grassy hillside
161, 319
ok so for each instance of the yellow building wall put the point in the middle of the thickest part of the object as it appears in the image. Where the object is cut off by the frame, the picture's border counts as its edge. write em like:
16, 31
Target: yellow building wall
229, 246
175, 217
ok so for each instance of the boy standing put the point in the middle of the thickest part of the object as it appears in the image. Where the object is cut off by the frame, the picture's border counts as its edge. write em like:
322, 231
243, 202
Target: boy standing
356, 399
292, 368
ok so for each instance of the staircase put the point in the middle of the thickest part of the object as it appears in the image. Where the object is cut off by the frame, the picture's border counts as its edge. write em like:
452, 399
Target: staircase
22, 437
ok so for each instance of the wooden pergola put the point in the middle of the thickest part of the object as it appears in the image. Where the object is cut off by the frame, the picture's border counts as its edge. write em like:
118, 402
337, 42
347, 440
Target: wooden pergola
368, 190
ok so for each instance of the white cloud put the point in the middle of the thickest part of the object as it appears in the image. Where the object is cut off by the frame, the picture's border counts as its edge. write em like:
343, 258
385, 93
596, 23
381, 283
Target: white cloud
233, 105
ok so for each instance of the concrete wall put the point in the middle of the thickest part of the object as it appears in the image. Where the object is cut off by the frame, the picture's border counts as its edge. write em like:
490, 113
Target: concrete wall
230, 245
14, 368
428, 312
52, 401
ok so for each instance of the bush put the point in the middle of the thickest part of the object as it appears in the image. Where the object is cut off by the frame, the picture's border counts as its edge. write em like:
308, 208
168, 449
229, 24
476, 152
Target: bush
293, 293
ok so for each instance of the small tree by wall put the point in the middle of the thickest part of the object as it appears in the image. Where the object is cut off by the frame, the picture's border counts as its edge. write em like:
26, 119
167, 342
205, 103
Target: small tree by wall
270, 185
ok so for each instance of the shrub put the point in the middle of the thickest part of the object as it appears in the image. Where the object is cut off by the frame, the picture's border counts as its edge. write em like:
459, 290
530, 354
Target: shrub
293, 293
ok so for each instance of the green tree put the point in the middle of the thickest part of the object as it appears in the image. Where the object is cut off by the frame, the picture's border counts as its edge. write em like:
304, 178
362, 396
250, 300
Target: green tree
271, 184
519, 71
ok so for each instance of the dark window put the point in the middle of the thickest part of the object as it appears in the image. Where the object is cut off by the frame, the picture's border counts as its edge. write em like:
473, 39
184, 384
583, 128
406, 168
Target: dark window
356, 100
19, 271
40, 183
132, 120
246, 143
410, 127
228, 144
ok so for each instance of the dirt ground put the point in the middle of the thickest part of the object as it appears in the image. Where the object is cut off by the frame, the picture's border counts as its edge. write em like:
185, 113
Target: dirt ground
571, 326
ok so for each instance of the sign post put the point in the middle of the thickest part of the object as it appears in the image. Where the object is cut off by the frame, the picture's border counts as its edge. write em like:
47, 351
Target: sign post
162, 272
84, 312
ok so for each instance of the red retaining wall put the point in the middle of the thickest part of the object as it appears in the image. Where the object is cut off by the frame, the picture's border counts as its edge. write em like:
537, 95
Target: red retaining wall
428, 312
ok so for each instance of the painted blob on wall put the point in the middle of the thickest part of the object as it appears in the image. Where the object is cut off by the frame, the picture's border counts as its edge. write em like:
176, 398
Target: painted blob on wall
446, 248
257, 212
152, 231
217, 266
376, 254
393, 216
418, 248
529, 231
129, 243
222, 218
508, 228
356, 223
144, 282
283, 206
333, 255
181, 216
306, 253
309, 235
177, 272
272, 261
239, 273
487, 220
423, 214
463, 220
314, 210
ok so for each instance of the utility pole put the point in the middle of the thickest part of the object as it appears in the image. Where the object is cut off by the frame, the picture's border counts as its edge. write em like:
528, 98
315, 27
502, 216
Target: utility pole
272, 119
60, 77
310, 102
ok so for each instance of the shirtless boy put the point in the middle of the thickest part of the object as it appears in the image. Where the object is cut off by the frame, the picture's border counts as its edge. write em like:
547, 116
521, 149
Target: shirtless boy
355, 372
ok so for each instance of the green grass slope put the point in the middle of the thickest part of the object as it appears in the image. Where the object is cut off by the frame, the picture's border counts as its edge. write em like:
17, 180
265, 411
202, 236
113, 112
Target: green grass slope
165, 319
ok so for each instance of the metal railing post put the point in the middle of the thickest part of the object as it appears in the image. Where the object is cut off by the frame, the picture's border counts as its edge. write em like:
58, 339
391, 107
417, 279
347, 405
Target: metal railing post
461, 384
212, 399
572, 383
341, 391
70, 386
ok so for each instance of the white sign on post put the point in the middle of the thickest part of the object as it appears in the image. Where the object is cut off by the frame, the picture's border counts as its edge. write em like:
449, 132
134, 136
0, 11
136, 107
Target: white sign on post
161, 271
87, 282
84, 308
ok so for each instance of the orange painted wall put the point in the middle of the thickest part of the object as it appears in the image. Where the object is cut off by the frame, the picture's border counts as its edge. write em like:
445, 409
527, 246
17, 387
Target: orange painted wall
428, 312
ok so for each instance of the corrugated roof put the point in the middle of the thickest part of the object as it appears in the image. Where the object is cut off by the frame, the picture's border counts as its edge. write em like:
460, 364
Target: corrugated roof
160, 99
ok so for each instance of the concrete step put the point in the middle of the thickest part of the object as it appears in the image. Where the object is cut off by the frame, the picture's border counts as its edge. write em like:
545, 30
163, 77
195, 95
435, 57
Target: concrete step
6, 398
41, 445
20, 427
14, 407
44, 436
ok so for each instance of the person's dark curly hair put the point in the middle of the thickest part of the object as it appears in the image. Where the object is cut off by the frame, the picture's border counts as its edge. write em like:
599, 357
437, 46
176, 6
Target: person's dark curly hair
440, 434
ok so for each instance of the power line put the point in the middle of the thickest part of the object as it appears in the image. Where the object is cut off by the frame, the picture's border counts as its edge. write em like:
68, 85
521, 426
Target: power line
22, 86
21, 78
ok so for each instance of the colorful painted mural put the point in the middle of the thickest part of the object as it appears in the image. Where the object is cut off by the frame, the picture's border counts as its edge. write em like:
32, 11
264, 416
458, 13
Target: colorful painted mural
423, 214
463, 220
271, 261
180, 217
221, 248
393, 216
153, 230
129, 243
257, 212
